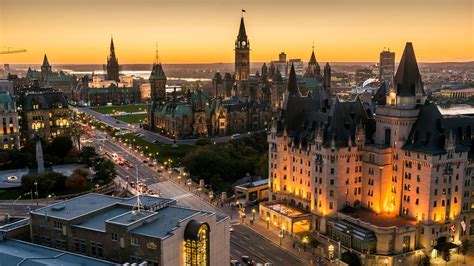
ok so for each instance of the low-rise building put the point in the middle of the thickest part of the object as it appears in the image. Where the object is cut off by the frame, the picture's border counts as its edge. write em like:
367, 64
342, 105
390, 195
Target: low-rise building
252, 192
143, 228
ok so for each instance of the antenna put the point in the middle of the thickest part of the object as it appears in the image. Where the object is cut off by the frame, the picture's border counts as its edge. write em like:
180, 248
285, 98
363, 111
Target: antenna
138, 204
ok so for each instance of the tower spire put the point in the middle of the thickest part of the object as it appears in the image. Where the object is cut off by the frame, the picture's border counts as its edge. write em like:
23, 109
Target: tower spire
157, 57
242, 33
45, 60
112, 47
292, 82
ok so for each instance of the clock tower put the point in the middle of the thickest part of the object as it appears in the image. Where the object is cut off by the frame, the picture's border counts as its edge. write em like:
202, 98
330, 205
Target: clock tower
242, 55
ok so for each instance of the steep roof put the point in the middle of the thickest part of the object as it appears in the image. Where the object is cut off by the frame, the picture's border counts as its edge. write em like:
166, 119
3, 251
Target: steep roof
157, 72
407, 80
242, 33
380, 97
431, 129
45, 60
293, 83
45, 100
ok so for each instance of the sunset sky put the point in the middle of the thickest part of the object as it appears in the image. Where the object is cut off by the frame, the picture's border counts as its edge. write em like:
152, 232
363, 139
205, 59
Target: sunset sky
203, 31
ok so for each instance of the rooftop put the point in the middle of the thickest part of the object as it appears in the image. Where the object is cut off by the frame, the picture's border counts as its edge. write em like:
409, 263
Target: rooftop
166, 221
15, 252
158, 218
97, 222
380, 220
89, 203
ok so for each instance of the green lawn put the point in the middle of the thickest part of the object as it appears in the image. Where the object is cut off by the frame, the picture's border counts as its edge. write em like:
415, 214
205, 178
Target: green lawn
132, 119
121, 108
165, 151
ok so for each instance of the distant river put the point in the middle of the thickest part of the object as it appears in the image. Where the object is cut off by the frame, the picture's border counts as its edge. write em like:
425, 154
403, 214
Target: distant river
137, 73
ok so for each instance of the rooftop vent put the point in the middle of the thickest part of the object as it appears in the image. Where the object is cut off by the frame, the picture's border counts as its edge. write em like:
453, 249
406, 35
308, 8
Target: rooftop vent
58, 207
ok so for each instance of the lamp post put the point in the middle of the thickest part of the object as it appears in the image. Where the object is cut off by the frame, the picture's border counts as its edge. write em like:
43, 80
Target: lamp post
305, 241
253, 215
280, 235
36, 193
49, 197
268, 222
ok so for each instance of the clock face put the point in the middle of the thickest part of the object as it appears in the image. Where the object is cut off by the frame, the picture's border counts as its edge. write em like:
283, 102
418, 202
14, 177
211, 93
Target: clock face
243, 43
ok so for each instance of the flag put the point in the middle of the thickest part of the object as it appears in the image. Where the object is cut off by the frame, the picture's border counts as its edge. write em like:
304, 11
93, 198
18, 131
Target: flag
243, 10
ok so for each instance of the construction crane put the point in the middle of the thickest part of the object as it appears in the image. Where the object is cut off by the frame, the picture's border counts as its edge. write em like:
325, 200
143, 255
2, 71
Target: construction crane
9, 50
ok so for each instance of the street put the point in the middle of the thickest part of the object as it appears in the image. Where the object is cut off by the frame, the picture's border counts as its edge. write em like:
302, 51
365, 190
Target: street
148, 135
244, 241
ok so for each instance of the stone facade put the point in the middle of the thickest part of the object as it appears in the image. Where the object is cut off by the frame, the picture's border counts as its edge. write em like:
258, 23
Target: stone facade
44, 113
400, 174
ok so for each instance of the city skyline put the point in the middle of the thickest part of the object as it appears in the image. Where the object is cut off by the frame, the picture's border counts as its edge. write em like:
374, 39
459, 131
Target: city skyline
195, 33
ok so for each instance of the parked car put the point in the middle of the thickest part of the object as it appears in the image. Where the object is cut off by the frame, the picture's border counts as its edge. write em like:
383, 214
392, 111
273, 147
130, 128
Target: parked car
235, 263
247, 260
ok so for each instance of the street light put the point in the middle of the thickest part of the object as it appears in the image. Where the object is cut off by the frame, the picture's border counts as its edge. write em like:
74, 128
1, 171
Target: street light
36, 193
331, 252
305, 241
253, 215
268, 222
280, 235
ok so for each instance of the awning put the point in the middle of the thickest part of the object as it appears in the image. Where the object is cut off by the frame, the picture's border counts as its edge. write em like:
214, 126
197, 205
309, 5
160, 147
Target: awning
445, 246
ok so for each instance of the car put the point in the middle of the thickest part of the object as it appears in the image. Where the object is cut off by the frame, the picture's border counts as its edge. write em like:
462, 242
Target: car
156, 141
151, 192
145, 161
150, 165
235, 263
132, 184
247, 260
231, 229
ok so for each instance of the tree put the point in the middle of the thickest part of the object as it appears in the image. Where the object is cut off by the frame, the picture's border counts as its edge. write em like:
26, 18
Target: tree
104, 169
262, 167
88, 155
76, 131
75, 182
46, 182
350, 258
60, 146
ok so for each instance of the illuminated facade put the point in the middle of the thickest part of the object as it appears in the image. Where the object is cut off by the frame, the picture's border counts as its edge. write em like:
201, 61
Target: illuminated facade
45, 114
399, 177
9, 133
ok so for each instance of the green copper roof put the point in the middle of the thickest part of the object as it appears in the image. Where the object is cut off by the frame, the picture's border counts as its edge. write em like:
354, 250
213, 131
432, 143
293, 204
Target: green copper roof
5, 98
157, 72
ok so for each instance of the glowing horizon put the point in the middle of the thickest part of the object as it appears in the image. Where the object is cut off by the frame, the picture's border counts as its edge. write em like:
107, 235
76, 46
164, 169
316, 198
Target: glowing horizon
78, 32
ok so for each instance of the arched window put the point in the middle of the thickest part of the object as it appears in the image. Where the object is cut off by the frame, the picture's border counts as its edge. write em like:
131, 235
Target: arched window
196, 238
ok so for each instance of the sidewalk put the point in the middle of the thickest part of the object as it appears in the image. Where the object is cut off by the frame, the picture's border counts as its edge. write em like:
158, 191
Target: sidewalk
288, 242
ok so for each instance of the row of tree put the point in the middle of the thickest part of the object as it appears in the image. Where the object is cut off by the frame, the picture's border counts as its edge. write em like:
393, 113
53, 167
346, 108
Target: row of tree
224, 163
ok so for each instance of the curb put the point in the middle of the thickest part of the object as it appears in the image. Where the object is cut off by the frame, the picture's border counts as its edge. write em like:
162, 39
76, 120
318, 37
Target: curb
271, 241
